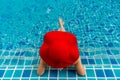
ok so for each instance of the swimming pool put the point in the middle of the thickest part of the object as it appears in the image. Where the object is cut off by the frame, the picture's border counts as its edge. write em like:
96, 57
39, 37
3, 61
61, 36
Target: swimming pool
96, 25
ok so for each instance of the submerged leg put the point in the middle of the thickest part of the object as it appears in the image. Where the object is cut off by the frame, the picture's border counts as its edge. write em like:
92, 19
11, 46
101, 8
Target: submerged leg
79, 67
61, 25
41, 68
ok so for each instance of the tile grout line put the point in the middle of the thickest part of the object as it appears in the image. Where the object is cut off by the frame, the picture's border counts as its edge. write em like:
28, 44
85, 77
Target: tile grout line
31, 73
58, 74
94, 72
2, 52
4, 72
12, 59
49, 73
13, 72
76, 75
113, 72
103, 69
22, 73
67, 73
2, 56
115, 59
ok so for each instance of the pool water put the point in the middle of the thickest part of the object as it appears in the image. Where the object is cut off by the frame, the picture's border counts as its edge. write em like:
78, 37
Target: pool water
96, 24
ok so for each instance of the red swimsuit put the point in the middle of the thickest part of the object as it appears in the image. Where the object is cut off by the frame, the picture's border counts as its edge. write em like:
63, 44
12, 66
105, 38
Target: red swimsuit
59, 49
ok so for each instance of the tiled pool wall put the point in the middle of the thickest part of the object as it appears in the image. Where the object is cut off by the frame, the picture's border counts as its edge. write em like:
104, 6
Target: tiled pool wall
96, 25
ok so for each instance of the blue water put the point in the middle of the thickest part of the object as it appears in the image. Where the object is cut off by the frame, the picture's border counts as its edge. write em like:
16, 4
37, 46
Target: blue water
96, 24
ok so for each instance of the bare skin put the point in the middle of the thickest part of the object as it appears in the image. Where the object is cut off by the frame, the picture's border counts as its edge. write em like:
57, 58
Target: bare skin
61, 25
78, 65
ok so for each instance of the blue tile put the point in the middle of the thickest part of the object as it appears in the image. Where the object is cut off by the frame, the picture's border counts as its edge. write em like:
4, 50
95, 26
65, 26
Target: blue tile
86, 53
98, 52
84, 61
42, 78
106, 61
8, 73
1, 61
91, 79
12, 53
14, 61
90, 73
81, 54
109, 52
62, 73
27, 62
115, 52
63, 78
22, 53
17, 53
118, 61
118, 78
99, 73
53, 78
53, 73
115, 67
1, 73
35, 61
17, 73
5, 79
34, 73
113, 61
110, 78
45, 74
91, 61
117, 72
100, 78
109, 73
5, 53
34, 78
26, 73
7, 61
71, 73
28, 54
83, 78
92, 53
21, 62
98, 61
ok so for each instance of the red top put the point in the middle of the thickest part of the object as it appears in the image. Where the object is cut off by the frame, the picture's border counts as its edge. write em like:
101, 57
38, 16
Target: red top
59, 49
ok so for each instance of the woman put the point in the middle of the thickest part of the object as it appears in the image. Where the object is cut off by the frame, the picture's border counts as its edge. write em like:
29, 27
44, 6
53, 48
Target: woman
60, 50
